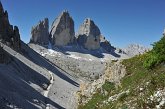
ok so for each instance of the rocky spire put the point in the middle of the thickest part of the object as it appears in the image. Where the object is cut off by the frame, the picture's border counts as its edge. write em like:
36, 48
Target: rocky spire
62, 30
89, 35
105, 44
1, 8
16, 38
8, 35
40, 33
164, 32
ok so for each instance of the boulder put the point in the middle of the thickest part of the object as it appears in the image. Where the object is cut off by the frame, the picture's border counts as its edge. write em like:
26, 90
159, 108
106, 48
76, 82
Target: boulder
89, 35
62, 30
40, 33
8, 35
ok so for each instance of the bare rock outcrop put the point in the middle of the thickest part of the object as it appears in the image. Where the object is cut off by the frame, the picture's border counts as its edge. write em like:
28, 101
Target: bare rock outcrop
135, 49
4, 56
114, 73
89, 35
62, 30
40, 33
105, 44
8, 34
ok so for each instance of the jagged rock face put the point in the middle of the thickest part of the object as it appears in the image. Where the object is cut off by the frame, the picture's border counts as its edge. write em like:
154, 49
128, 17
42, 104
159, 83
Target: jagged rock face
89, 35
105, 44
8, 35
4, 56
40, 33
135, 49
164, 32
62, 30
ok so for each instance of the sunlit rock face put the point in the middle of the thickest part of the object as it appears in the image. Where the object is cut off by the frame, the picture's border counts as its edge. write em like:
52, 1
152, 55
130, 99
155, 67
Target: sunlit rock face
62, 30
89, 35
8, 34
40, 33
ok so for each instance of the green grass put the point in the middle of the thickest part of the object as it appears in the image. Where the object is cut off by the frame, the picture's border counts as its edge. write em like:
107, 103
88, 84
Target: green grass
136, 77
108, 86
92, 104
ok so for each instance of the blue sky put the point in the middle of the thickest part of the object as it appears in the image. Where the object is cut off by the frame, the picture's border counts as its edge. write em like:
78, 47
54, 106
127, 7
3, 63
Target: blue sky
122, 22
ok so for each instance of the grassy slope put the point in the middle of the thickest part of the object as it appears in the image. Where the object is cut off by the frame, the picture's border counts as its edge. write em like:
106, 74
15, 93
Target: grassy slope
140, 82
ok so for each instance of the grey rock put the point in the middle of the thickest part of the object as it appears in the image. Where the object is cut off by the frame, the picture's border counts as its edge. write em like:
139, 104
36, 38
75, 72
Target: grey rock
4, 56
40, 33
89, 35
105, 44
8, 35
62, 30
119, 50
135, 49
164, 32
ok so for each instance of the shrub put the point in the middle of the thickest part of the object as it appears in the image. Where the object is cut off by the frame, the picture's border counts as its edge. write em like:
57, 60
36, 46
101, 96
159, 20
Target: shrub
156, 55
108, 86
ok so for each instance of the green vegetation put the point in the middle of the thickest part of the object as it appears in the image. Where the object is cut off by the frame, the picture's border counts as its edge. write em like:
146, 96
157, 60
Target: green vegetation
94, 103
157, 55
145, 74
108, 86
141, 83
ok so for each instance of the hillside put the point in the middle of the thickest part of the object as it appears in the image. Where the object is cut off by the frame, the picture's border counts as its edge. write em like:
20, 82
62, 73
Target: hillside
59, 69
142, 87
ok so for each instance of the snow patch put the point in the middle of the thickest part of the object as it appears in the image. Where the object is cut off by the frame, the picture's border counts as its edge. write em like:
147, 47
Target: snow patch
79, 58
74, 56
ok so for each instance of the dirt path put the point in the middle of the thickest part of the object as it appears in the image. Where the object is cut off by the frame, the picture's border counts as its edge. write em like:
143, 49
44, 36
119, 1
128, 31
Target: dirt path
48, 88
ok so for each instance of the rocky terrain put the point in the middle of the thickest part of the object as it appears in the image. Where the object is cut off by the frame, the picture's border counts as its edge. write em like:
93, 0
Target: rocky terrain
8, 34
62, 30
89, 35
135, 49
28, 80
61, 70
114, 72
40, 33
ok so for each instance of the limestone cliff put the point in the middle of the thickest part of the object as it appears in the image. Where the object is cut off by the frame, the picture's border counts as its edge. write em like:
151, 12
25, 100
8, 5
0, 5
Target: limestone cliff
40, 33
62, 30
8, 34
89, 35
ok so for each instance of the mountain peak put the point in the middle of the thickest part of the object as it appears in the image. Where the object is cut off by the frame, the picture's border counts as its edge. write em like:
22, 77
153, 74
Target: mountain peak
1, 8
40, 33
8, 35
61, 26
89, 35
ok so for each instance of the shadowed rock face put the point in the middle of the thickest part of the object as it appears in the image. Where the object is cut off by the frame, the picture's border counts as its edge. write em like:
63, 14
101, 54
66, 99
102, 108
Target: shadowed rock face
62, 30
4, 57
89, 35
105, 44
40, 33
8, 35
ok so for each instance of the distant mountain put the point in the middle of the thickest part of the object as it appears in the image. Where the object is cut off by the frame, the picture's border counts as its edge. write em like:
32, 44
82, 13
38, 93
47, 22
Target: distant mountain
62, 30
47, 72
135, 49
62, 34
28, 80
40, 33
